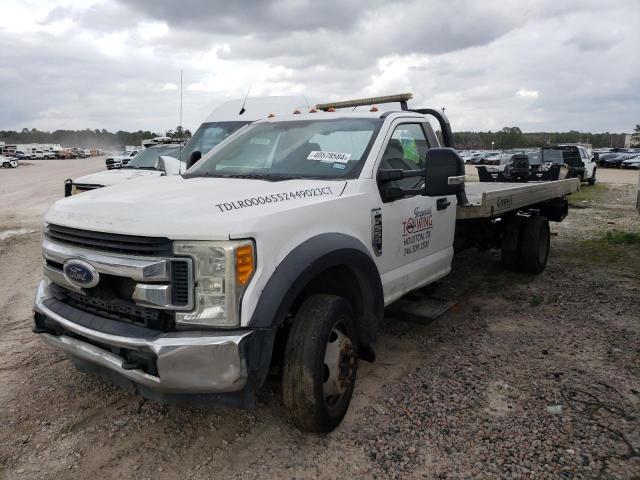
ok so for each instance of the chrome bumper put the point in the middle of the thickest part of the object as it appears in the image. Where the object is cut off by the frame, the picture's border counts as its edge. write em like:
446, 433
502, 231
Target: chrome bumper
187, 362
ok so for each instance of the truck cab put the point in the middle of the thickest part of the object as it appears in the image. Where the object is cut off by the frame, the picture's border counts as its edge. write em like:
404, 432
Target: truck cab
147, 163
277, 251
576, 157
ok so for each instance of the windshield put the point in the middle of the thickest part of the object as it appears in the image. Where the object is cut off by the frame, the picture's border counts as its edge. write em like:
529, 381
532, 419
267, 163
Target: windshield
552, 155
208, 136
147, 158
295, 149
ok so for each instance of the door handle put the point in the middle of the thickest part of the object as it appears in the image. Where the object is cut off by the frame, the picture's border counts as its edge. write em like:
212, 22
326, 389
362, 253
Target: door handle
442, 203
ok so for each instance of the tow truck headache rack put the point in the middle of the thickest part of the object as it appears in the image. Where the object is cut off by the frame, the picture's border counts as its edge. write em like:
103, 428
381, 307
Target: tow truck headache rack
402, 98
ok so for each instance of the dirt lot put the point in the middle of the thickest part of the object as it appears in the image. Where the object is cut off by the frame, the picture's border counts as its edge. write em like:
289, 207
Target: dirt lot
528, 377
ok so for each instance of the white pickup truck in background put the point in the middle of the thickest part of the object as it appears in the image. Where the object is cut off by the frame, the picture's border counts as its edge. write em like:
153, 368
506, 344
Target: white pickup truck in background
277, 251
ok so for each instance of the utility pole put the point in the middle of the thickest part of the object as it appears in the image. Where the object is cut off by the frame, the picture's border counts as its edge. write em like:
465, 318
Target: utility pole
180, 123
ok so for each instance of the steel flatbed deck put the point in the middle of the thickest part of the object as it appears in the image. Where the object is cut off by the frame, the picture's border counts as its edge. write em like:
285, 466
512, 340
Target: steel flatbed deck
488, 199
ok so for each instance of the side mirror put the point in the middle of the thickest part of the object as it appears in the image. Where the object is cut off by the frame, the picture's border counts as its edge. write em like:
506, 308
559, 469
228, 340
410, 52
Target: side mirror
193, 158
444, 173
68, 187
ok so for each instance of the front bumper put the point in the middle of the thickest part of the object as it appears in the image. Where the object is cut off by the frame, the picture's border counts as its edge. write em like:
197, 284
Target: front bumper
188, 362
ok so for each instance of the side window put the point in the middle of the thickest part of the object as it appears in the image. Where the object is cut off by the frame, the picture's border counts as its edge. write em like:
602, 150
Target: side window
406, 150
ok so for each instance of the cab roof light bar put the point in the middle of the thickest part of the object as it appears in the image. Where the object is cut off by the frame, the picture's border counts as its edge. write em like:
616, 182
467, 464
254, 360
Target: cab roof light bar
360, 102
445, 127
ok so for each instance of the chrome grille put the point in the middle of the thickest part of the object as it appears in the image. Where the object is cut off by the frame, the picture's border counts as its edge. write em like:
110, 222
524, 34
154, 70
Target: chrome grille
109, 242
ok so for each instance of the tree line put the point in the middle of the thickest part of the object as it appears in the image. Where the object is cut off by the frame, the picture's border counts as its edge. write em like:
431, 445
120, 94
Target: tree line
513, 137
87, 138
508, 137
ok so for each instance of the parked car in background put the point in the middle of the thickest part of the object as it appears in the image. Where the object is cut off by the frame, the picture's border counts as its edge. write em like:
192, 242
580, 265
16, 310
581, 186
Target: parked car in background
632, 161
492, 158
121, 159
8, 162
66, 153
611, 159
49, 155
81, 153
20, 155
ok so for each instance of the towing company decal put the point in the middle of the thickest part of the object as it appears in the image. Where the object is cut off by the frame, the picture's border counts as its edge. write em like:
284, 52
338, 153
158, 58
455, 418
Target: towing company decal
416, 231
329, 156
273, 198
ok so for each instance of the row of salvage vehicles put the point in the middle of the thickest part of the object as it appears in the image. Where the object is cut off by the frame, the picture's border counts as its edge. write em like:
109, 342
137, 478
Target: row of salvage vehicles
551, 162
276, 251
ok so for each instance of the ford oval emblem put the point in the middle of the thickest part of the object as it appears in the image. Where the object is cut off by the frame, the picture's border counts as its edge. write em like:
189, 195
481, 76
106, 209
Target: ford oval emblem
80, 273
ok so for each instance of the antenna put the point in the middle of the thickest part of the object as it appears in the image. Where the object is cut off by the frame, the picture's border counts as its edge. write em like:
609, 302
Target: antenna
242, 110
180, 124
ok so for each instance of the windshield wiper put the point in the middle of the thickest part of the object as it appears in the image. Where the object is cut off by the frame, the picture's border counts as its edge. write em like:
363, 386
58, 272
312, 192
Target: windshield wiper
133, 167
270, 177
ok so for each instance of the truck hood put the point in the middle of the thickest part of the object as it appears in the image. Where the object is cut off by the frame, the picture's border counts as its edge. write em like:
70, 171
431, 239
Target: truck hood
113, 177
194, 208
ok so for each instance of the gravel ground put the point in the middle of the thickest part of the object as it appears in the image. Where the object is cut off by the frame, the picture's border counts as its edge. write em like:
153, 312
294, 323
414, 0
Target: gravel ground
527, 377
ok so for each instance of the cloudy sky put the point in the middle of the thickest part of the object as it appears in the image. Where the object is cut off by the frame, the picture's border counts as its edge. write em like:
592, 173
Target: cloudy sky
542, 65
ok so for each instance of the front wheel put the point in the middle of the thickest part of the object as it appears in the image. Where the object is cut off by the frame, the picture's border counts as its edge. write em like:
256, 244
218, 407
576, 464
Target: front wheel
320, 363
592, 179
6, 165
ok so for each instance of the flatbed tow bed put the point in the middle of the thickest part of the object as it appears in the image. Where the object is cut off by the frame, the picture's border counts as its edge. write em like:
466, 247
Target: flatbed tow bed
486, 200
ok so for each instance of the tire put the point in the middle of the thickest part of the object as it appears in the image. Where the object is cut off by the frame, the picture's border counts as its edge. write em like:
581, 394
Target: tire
316, 394
6, 165
511, 241
592, 180
535, 244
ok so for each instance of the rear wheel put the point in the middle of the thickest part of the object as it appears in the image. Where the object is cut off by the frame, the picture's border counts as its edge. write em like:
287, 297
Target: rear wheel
320, 363
535, 244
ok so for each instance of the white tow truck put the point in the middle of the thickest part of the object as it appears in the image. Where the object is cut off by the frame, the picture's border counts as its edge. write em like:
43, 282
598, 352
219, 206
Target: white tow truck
277, 251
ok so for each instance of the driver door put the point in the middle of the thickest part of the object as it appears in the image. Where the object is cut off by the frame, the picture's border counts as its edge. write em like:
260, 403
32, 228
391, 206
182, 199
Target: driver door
417, 231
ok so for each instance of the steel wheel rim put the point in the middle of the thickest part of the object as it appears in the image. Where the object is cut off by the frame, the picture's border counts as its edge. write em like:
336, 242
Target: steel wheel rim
338, 366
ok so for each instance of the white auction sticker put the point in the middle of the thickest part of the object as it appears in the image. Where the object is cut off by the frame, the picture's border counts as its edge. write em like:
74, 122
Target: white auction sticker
329, 156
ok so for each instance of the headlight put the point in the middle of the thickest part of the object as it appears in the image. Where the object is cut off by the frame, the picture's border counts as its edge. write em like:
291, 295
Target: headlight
222, 272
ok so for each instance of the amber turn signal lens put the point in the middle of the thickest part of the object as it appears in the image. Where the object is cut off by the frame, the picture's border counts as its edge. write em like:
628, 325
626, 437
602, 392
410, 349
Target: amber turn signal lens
244, 264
